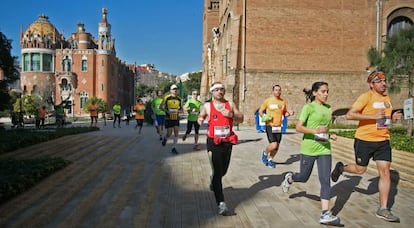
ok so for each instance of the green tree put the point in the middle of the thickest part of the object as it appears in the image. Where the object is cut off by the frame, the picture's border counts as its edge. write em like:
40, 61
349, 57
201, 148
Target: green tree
9, 69
102, 106
27, 104
143, 90
396, 59
193, 83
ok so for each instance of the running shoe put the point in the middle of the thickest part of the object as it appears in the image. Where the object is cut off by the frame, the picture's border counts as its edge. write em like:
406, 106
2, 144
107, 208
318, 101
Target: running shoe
386, 215
174, 151
160, 138
339, 168
197, 147
222, 209
271, 164
285, 183
164, 141
184, 137
328, 218
264, 158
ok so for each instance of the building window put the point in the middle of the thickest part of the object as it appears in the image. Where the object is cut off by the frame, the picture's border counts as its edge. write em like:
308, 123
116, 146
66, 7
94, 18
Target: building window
66, 64
47, 62
65, 86
35, 62
397, 24
26, 62
83, 98
84, 65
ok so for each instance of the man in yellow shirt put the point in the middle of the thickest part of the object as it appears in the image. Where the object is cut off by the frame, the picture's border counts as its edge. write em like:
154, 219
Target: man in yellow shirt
372, 139
172, 106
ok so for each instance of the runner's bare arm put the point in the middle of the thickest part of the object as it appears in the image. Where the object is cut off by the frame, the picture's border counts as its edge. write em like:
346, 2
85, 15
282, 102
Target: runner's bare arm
205, 111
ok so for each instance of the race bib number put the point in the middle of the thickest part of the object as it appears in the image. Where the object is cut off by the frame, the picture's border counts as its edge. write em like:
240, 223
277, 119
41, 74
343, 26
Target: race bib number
277, 129
322, 137
383, 123
222, 131
173, 114
275, 106
194, 113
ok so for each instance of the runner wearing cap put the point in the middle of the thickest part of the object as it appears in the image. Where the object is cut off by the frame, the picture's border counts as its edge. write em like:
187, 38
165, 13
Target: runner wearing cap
172, 106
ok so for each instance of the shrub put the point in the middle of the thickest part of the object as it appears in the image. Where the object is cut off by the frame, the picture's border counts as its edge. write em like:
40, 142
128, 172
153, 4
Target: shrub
17, 176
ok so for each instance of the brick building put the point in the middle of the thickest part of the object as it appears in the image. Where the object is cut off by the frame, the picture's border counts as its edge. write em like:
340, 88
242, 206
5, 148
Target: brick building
76, 68
252, 45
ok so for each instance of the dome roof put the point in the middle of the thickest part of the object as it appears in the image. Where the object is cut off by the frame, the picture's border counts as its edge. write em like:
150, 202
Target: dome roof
42, 26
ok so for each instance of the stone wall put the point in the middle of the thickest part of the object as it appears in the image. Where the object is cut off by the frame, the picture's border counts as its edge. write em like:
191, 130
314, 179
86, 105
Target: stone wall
344, 88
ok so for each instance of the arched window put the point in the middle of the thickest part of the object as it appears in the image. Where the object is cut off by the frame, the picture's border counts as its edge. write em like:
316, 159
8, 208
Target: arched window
397, 24
35, 90
65, 86
66, 64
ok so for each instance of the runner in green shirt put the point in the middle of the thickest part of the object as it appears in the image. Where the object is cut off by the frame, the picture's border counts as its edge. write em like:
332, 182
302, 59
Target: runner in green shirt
192, 107
315, 147
116, 109
159, 118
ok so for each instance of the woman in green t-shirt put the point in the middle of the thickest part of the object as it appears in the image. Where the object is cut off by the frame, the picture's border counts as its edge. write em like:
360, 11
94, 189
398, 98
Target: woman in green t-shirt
313, 123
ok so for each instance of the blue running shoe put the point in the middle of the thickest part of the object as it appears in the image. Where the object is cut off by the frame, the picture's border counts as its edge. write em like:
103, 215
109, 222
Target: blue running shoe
264, 158
271, 164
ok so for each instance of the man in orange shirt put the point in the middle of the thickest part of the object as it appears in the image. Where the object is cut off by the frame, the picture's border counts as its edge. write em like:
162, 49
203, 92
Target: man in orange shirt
139, 109
372, 139
275, 108
42, 116
93, 112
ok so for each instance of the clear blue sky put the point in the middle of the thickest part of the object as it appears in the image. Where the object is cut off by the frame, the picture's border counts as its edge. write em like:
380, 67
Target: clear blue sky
167, 33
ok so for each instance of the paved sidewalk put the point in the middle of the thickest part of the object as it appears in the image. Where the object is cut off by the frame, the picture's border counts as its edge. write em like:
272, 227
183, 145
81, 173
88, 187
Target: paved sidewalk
121, 179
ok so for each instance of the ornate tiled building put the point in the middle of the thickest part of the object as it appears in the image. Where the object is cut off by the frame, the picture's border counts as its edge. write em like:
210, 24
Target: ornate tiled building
252, 45
76, 68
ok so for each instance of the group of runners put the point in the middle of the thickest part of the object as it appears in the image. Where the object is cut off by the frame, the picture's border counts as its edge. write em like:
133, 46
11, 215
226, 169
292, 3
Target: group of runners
372, 109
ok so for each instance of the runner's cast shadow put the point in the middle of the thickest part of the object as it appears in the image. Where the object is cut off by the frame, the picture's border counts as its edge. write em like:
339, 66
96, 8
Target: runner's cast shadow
293, 158
373, 187
235, 196
344, 189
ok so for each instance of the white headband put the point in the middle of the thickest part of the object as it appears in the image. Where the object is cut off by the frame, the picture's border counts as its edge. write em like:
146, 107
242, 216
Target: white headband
216, 86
